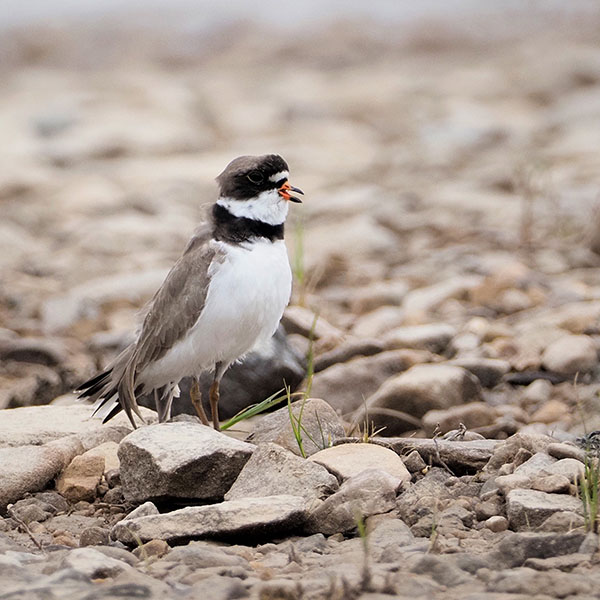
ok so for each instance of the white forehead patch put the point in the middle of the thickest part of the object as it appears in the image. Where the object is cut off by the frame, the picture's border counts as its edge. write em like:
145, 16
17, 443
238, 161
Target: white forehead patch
279, 176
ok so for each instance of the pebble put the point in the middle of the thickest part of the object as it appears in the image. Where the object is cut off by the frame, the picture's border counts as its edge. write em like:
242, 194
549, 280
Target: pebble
496, 523
564, 450
81, 477
94, 536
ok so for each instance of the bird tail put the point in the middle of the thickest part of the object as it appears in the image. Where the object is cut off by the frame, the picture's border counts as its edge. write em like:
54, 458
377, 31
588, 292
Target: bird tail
113, 390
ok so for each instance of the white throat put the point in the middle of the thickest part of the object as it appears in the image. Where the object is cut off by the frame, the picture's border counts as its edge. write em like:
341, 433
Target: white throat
268, 207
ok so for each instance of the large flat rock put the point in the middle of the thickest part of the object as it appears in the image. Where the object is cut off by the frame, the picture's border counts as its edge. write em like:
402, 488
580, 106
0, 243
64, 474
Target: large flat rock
38, 442
458, 455
259, 518
30, 468
37, 425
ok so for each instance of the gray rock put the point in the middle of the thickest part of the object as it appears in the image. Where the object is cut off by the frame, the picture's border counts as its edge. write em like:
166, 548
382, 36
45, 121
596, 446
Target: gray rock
272, 471
496, 523
32, 350
218, 587
61, 311
505, 452
72, 524
348, 460
298, 319
561, 563
571, 354
387, 537
423, 497
346, 385
31, 510
539, 464
434, 337
413, 462
253, 517
426, 387
571, 468
421, 301
201, 555
566, 450
590, 543
552, 484
513, 481
441, 569
54, 499
180, 460
562, 522
31, 468
143, 510
529, 508
368, 493
37, 425
320, 427
515, 548
376, 294
550, 584
93, 564
94, 536
489, 371
456, 455
378, 321
347, 350
537, 392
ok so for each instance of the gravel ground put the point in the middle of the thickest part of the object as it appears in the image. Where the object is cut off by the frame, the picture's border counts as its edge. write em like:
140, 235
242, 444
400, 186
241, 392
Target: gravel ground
448, 241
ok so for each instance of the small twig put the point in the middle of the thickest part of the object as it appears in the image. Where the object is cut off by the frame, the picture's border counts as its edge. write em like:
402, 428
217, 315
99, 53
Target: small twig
438, 457
25, 528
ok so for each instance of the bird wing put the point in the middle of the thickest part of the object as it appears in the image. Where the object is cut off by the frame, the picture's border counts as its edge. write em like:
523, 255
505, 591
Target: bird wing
172, 311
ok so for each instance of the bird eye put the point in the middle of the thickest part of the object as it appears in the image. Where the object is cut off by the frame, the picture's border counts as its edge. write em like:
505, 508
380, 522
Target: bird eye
255, 176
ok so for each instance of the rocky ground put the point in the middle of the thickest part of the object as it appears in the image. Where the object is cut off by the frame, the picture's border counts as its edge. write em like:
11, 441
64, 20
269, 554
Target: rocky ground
446, 266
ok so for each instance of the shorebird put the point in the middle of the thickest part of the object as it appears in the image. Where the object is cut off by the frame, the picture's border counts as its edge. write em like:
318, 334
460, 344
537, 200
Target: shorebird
225, 295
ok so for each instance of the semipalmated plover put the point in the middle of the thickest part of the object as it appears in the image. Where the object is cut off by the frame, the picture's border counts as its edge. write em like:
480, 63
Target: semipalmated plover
225, 295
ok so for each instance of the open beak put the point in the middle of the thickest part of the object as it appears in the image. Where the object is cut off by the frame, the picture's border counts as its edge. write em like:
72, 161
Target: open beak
286, 188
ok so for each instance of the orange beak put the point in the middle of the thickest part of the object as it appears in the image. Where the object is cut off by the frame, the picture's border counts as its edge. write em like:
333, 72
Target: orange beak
286, 188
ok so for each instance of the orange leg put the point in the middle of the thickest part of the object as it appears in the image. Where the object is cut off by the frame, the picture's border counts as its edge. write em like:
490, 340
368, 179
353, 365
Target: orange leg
214, 403
196, 398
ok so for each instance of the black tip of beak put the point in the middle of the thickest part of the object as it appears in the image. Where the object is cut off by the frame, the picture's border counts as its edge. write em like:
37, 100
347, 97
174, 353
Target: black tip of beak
297, 191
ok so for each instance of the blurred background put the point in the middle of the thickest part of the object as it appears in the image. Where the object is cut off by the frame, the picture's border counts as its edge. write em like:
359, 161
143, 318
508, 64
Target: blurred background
449, 152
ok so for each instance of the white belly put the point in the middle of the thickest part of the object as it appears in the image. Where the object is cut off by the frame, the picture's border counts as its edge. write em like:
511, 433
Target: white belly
246, 298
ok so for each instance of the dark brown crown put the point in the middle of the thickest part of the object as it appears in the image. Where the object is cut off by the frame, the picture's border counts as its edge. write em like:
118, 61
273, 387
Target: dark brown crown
247, 176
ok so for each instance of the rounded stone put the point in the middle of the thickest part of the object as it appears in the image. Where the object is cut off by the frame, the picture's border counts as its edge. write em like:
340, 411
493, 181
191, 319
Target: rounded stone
347, 460
496, 523
571, 354
94, 536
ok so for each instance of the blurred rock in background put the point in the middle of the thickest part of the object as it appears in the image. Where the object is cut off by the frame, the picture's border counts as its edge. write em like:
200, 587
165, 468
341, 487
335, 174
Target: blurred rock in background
449, 155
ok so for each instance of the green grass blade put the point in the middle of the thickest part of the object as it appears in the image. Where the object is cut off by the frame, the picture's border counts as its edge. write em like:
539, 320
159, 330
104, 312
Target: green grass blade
255, 409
